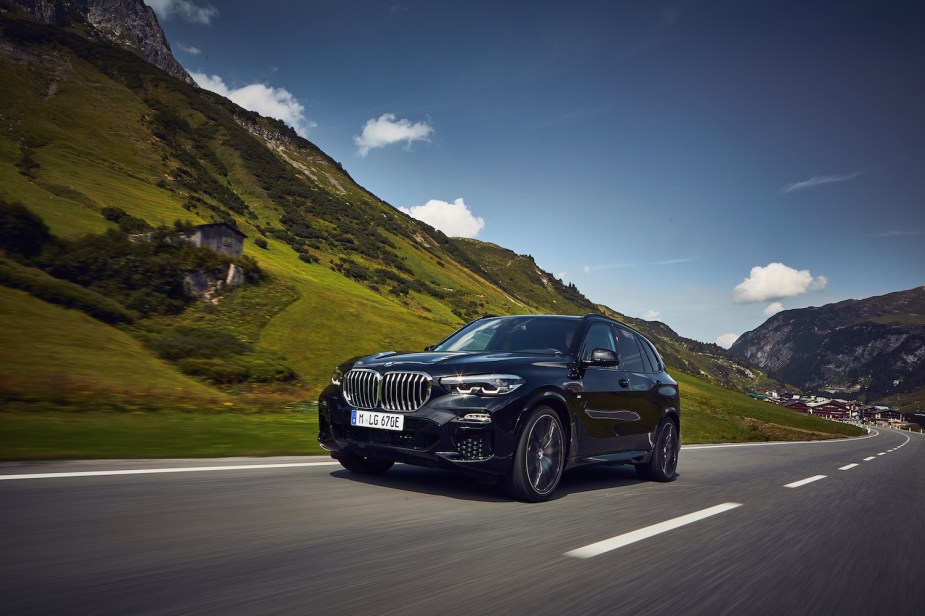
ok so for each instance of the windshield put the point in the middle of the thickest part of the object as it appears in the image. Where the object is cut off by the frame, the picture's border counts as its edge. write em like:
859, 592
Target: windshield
514, 334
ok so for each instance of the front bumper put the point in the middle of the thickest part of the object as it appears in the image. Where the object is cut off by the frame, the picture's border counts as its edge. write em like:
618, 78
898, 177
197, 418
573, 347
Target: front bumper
435, 435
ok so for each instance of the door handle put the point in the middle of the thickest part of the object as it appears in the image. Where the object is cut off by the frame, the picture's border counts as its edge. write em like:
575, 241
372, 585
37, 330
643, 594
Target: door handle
624, 383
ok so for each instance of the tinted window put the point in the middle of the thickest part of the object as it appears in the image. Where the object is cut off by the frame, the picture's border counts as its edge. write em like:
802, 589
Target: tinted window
600, 336
630, 355
646, 360
517, 334
650, 354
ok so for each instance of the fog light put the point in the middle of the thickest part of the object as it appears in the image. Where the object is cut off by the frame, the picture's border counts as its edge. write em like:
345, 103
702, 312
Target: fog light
482, 418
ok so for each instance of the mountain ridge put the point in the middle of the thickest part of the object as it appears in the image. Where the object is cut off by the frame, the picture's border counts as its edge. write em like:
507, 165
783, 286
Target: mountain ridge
129, 23
873, 347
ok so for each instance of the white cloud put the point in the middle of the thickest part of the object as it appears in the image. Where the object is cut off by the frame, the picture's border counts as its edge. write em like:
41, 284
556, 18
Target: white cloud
624, 265
587, 269
776, 281
651, 315
386, 130
186, 9
819, 180
193, 51
454, 219
773, 309
901, 232
727, 340
272, 102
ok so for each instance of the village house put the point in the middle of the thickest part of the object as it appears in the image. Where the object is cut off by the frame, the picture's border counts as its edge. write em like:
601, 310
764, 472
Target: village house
830, 409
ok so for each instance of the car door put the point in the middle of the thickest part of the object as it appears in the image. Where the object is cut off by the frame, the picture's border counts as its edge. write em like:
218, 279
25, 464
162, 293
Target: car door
609, 422
643, 390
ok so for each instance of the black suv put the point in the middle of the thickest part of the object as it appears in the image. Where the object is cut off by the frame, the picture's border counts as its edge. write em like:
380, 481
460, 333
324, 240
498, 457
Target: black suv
520, 398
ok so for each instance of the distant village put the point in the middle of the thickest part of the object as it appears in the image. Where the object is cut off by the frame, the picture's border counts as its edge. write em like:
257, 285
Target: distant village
848, 411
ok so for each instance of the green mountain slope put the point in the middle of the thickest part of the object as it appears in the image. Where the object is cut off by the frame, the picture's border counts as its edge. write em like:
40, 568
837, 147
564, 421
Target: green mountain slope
89, 126
58, 354
86, 125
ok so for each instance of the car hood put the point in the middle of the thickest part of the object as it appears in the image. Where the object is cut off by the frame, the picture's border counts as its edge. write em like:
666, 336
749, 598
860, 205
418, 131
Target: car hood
459, 362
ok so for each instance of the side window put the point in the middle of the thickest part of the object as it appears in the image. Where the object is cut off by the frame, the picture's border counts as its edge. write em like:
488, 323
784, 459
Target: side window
646, 359
651, 354
599, 336
630, 355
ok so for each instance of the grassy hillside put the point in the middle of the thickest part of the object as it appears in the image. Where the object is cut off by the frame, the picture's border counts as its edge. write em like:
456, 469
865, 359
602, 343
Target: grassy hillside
60, 356
910, 401
520, 276
87, 126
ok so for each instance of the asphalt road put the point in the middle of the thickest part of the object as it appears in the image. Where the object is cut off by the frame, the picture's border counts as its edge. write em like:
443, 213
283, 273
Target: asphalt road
727, 537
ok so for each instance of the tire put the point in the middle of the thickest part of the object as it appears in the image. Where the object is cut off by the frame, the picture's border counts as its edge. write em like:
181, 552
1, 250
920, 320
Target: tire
364, 466
663, 465
539, 458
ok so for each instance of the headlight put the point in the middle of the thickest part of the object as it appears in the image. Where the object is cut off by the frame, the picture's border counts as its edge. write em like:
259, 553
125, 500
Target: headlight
482, 384
337, 376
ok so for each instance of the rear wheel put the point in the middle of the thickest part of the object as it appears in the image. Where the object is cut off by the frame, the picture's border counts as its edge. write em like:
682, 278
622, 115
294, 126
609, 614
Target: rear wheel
539, 458
663, 464
364, 466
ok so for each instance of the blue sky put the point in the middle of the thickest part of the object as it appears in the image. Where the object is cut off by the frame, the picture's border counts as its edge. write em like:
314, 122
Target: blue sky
704, 163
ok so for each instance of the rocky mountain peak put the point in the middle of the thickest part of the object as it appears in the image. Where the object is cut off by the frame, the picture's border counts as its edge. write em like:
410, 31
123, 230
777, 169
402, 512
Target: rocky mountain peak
129, 23
874, 346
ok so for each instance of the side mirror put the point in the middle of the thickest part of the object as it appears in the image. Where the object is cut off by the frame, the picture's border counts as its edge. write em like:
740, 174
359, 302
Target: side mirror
602, 357
430, 347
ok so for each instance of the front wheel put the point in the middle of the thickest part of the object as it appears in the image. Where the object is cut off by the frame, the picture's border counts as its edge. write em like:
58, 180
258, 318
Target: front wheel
539, 458
364, 466
663, 465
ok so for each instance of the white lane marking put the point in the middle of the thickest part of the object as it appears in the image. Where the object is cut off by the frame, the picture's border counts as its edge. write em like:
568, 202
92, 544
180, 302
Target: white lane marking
882, 453
848, 467
803, 482
620, 541
869, 459
152, 471
775, 443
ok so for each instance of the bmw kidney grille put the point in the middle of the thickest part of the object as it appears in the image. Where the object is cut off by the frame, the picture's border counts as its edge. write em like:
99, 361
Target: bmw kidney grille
394, 391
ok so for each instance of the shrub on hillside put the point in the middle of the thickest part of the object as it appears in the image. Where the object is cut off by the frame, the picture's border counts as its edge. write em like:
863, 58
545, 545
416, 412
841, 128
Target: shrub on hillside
184, 342
62, 292
219, 356
215, 370
147, 276
126, 222
254, 368
21, 232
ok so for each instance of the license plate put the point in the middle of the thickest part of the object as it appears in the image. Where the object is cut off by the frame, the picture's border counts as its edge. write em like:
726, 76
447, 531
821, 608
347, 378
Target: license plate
372, 419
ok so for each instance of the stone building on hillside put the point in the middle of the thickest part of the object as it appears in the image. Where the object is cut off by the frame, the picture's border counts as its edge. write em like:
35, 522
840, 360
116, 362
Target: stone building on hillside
220, 237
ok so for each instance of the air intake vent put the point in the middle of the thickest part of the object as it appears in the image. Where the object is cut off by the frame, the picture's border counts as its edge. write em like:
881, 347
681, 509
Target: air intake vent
395, 391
